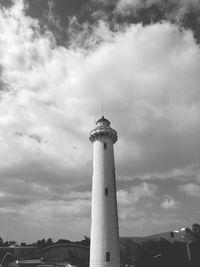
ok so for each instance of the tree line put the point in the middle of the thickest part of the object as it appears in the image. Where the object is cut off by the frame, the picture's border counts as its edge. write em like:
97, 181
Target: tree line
42, 243
163, 253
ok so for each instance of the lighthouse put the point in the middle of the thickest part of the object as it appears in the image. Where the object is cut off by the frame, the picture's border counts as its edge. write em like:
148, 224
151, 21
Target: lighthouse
104, 247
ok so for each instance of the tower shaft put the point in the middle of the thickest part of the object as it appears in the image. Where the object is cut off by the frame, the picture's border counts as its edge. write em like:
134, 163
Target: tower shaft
104, 248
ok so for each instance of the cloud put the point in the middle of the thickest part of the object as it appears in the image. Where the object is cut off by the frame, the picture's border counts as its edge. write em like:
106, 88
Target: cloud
53, 94
128, 7
130, 214
48, 211
183, 7
143, 224
169, 203
48, 216
190, 189
177, 8
132, 196
127, 200
88, 36
189, 173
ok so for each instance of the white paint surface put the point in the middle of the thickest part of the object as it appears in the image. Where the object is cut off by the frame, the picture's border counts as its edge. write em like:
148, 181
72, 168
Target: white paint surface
104, 227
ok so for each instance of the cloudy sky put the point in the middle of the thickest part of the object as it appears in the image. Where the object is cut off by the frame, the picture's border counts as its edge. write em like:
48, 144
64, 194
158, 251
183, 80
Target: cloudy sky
57, 59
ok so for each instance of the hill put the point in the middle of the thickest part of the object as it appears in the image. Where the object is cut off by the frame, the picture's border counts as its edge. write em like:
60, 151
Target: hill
177, 236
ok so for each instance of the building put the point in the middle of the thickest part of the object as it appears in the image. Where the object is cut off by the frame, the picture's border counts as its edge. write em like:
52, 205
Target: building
66, 255
71, 253
104, 248
19, 252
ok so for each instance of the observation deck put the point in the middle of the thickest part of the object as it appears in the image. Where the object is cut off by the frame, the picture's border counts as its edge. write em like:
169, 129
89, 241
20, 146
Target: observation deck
102, 131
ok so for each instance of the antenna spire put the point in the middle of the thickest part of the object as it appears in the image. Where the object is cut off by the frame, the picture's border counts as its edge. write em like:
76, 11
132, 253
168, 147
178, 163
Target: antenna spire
8, 230
102, 106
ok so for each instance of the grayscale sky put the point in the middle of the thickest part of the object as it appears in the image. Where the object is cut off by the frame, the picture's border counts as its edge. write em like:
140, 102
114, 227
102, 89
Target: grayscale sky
57, 59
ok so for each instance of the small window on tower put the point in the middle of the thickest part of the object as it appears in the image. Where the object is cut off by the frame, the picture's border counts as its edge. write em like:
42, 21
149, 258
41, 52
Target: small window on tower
107, 256
106, 191
105, 145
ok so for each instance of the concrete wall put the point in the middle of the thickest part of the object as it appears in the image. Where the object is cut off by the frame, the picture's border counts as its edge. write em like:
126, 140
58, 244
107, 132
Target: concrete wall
104, 227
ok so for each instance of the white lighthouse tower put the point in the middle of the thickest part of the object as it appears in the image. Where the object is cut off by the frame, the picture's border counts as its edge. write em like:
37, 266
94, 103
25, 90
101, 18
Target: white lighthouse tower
104, 248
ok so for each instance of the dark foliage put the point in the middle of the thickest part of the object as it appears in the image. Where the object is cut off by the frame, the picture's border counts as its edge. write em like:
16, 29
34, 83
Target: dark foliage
84, 242
63, 241
41, 243
163, 253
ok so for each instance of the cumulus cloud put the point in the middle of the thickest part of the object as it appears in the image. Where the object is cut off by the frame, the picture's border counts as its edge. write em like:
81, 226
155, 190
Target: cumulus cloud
177, 8
190, 189
136, 223
149, 77
189, 173
131, 213
88, 36
168, 203
132, 196
126, 7
182, 7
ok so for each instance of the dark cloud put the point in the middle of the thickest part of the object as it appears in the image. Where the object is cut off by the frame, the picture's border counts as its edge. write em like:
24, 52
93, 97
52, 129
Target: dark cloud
186, 14
61, 8
191, 20
35, 137
56, 16
6, 3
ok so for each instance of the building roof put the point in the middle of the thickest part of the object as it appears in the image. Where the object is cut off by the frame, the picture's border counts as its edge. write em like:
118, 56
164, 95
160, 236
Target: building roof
103, 121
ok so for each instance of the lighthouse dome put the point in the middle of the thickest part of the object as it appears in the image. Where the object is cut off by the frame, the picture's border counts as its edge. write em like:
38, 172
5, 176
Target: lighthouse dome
103, 122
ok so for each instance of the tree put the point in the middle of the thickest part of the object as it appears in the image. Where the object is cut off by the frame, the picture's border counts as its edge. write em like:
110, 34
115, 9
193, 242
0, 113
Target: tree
85, 241
196, 231
49, 242
160, 253
63, 241
128, 252
195, 245
6, 244
41, 243
189, 236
